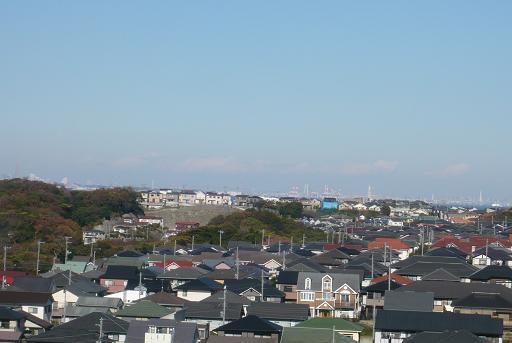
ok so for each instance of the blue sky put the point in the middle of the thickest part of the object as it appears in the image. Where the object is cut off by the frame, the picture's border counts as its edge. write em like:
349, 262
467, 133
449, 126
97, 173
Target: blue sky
411, 97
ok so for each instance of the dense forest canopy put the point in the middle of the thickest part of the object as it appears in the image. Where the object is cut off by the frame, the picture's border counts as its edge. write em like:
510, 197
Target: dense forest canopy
32, 210
249, 225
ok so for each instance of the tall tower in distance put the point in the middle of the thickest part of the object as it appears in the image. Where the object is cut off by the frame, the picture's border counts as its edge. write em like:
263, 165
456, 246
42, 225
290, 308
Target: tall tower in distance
480, 199
369, 193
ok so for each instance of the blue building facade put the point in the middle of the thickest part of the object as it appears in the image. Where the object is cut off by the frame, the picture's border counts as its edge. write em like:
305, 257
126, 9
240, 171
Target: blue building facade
329, 204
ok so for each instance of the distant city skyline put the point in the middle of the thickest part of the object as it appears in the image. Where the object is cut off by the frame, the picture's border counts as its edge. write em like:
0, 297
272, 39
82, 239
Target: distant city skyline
411, 98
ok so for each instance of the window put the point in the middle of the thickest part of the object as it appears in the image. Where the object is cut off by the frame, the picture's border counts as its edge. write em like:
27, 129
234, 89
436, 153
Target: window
5, 324
345, 298
307, 283
288, 289
327, 296
184, 293
307, 296
32, 310
326, 283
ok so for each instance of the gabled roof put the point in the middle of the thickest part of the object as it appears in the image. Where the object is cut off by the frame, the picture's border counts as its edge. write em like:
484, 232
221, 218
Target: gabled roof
287, 277
8, 314
252, 324
338, 280
84, 329
455, 290
423, 268
184, 332
484, 301
165, 299
492, 272
307, 335
25, 298
144, 309
183, 273
409, 301
410, 321
212, 310
107, 302
440, 274
33, 284
231, 298
121, 273
380, 287
304, 265
402, 280
201, 284
279, 311
447, 252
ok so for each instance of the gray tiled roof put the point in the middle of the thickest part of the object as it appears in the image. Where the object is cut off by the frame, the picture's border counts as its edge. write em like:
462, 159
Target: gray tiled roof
338, 280
279, 311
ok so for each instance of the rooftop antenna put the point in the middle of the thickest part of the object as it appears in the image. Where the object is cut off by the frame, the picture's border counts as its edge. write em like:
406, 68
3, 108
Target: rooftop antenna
224, 306
262, 282
237, 265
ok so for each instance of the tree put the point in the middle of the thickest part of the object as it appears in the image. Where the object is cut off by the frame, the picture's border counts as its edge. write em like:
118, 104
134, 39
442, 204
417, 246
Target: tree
385, 210
291, 209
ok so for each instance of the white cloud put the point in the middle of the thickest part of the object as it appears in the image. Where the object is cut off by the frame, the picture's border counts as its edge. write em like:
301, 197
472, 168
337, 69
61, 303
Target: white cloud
455, 169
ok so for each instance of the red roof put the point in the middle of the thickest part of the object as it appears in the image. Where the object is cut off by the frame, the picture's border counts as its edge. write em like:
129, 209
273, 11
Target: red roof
395, 277
451, 241
394, 243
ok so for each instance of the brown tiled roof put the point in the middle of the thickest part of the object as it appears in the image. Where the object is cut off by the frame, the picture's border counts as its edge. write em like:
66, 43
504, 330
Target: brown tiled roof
24, 298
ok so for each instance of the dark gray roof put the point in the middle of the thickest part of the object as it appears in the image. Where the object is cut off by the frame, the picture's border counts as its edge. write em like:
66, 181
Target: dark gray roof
231, 298
287, 277
185, 332
84, 329
33, 284
455, 336
183, 273
440, 275
279, 311
454, 290
410, 321
409, 301
492, 272
201, 284
251, 324
484, 301
338, 280
431, 259
212, 310
87, 301
459, 269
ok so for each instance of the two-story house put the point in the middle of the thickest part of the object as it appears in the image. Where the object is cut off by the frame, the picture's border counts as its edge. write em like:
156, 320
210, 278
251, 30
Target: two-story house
329, 294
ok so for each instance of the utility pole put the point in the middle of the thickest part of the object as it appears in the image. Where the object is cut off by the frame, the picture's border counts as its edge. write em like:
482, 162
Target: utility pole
100, 339
291, 244
237, 265
284, 260
193, 237
384, 255
174, 251
38, 254
303, 240
372, 265
224, 306
279, 247
92, 249
262, 238
67, 238
389, 270
4, 277
262, 282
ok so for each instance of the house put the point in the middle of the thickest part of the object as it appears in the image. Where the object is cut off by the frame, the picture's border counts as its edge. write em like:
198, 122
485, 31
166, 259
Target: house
373, 296
183, 275
167, 300
394, 243
249, 327
491, 255
284, 314
93, 236
86, 329
161, 330
187, 197
210, 313
252, 289
151, 220
409, 301
198, 289
495, 305
99, 303
446, 292
308, 335
287, 282
144, 310
418, 270
37, 304
213, 198
396, 326
330, 204
119, 278
462, 336
183, 226
501, 275
329, 295
12, 325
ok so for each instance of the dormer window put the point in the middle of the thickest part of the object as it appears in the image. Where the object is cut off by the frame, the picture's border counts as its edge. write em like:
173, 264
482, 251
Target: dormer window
307, 283
327, 283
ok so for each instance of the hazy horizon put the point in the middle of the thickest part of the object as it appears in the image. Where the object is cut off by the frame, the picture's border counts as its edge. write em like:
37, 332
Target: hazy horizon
410, 98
